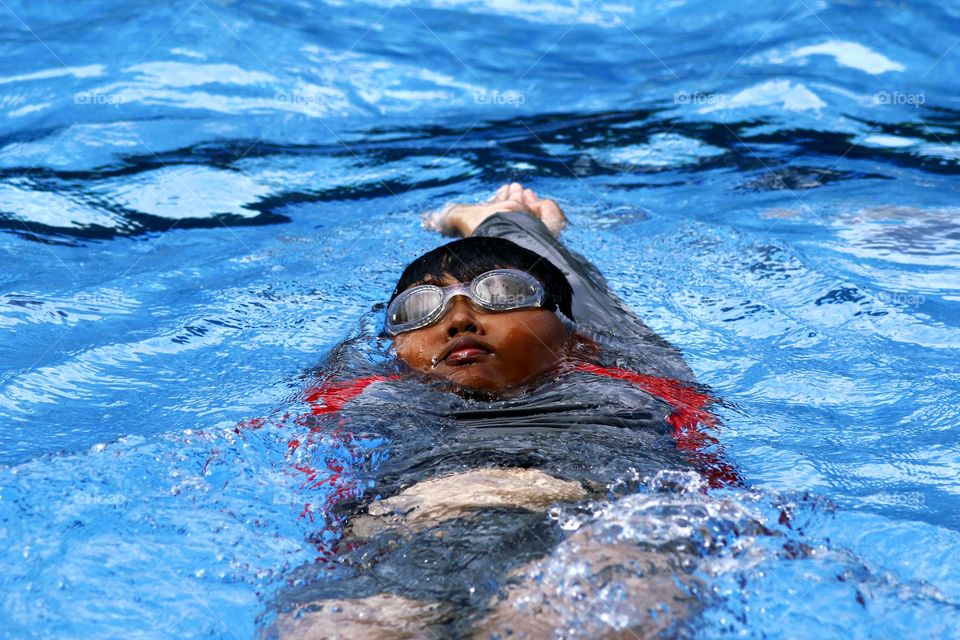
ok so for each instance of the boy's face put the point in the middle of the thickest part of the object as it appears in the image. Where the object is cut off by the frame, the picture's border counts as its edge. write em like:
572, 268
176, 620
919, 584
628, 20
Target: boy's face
485, 350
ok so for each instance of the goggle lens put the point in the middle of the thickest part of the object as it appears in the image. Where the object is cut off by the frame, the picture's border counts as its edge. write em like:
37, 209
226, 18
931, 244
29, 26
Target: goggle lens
502, 291
421, 302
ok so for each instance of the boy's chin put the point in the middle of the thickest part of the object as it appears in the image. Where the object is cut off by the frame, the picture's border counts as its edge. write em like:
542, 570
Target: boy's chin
476, 383
474, 379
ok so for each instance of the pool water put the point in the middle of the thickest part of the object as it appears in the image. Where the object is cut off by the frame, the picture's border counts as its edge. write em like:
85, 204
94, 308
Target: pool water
199, 199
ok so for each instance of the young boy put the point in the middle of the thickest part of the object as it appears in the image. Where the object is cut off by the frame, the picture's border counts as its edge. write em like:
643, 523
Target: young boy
545, 390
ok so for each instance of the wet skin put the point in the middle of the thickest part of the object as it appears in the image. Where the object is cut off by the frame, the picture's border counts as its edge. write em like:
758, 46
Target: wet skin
483, 350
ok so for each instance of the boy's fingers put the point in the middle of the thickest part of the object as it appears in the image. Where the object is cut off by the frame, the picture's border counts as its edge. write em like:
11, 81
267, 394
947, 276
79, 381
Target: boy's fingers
502, 192
552, 209
516, 191
552, 216
529, 198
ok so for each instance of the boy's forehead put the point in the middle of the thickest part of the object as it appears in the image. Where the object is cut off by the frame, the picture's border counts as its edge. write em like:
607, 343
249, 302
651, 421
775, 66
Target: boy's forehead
446, 279
442, 280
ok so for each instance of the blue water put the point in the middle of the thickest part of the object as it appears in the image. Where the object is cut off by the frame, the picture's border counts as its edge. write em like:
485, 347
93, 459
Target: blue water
199, 199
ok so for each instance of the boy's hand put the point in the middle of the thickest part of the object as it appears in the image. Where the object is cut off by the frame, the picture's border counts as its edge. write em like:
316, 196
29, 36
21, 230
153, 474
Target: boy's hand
462, 219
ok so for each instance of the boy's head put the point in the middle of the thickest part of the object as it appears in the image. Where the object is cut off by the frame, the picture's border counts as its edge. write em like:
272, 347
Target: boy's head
478, 348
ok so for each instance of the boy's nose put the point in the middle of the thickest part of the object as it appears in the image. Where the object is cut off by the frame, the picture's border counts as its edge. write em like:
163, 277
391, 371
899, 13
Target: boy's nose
462, 317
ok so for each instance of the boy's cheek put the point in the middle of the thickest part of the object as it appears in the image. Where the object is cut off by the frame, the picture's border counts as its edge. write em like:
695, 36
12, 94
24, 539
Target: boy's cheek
398, 350
410, 351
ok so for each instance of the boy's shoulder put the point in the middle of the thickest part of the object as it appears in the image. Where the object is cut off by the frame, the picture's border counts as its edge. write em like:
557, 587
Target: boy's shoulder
583, 387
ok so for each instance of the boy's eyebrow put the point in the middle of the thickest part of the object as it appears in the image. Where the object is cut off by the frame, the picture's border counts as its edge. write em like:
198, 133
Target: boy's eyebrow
434, 280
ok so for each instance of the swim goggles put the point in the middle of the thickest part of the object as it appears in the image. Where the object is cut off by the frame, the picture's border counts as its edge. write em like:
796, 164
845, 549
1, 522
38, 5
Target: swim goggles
496, 290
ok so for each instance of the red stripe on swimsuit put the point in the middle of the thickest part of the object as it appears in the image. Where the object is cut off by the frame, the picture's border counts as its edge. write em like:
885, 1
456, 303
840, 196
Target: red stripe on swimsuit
330, 398
688, 416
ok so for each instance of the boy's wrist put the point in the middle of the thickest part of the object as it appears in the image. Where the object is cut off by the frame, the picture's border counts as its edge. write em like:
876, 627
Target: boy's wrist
463, 219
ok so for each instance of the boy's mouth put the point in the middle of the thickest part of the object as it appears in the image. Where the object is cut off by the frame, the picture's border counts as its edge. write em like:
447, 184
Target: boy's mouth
463, 351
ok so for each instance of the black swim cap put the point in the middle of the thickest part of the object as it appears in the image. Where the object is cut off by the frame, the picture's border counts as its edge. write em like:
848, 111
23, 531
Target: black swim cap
467, 258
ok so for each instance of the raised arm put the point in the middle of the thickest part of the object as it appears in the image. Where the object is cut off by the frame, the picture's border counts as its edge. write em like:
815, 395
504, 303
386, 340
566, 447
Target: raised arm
462, 220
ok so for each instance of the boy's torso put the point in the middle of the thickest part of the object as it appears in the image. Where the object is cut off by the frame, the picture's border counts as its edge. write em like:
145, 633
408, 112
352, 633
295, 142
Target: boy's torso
579, 427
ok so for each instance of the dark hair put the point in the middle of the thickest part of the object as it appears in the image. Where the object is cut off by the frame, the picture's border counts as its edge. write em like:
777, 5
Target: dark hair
466, 259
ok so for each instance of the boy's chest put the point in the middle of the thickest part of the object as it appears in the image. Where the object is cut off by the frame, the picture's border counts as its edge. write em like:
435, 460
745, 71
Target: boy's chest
595, 431
557, 411
575, 402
